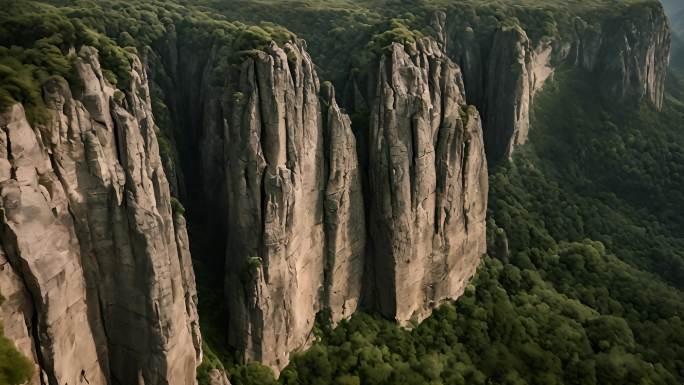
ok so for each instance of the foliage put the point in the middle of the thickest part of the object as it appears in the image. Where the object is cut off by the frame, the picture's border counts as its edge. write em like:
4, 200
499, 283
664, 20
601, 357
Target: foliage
15, 369
397, 32
252, 374
37, 41
210, 361
177, 206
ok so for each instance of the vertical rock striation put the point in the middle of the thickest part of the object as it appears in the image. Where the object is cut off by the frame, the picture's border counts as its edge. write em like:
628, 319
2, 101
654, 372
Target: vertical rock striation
503, 70
275, 170
345, 221
96, 258
296, 215
429, 189
515, 72
629, 55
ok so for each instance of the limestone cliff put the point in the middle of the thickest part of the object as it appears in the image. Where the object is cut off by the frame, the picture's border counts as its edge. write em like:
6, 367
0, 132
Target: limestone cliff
297, 211
95, 265
345, 221
627, 54
280, 162
275, 170
429, 189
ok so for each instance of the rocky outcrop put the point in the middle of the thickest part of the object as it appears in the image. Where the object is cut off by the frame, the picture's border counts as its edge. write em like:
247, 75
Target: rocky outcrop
429, 190
218, 377
345, 221
504, 69
18, 314
296, 233
515, 72
276, 178
501, 76
295, 212
629, 55
98, 271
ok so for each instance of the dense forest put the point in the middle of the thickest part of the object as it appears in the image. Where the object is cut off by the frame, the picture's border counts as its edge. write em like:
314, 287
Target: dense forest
583, 281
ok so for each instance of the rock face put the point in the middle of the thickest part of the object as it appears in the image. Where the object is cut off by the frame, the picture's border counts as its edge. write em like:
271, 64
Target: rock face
218, 377
502, 72
275, 170
501, 77
630, 56
345, 221
294, 177
296, 233
96, 269
290, 188
429, 190
515, 72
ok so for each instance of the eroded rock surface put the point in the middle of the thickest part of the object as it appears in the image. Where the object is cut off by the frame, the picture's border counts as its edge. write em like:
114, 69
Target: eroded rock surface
296, 217
98, 266
627, 55
345, 217
276, 178
429, 190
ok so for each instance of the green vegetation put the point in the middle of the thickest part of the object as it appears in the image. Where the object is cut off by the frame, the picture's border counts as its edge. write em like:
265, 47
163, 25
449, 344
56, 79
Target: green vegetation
397, 32
210, 361
36, 41
15, 369
338, 31
177, 206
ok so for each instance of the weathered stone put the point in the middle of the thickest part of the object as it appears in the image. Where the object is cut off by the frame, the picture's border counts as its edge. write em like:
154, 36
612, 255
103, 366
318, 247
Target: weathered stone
345, 223
276, 178
516, 72
218, 377
88, 228
502, 72
429, 190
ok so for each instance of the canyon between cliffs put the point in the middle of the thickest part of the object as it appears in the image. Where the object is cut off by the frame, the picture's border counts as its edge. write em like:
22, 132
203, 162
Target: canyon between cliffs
306, 197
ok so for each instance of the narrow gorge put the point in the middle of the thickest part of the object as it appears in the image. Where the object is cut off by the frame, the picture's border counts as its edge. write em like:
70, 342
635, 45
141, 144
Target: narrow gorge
307, 197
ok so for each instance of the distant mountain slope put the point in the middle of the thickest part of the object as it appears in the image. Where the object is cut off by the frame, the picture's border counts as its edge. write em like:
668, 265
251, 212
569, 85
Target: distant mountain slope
675, 12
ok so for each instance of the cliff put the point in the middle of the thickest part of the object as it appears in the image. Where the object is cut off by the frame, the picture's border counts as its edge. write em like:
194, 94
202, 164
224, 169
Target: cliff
429, 182
96, 266
281, 163
626, 52
298, 209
